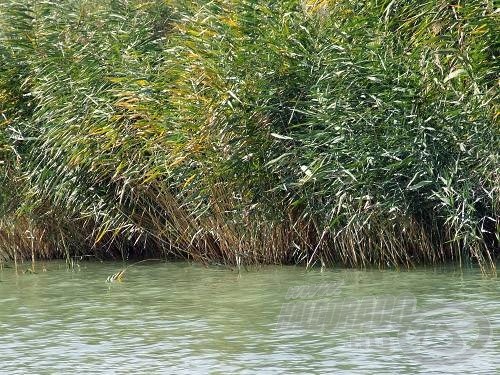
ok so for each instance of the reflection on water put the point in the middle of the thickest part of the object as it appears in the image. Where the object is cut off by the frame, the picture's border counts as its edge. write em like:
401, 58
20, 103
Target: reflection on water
182, 318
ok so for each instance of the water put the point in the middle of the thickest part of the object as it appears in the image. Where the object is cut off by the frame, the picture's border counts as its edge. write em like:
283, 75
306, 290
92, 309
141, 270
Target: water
181, 319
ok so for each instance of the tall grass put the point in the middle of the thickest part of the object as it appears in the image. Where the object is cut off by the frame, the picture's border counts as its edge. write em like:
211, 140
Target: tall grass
239, 131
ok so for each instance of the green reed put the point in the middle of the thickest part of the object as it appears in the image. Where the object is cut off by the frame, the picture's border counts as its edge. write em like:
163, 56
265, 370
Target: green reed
240, 132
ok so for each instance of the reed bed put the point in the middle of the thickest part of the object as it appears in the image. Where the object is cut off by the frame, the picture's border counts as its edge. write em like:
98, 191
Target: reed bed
243, 132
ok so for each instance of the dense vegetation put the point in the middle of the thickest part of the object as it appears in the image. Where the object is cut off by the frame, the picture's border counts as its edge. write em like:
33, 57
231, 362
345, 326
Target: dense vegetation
239, 131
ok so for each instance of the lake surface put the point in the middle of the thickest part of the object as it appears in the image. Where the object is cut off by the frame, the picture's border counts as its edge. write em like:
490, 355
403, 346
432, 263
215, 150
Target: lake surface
181, 318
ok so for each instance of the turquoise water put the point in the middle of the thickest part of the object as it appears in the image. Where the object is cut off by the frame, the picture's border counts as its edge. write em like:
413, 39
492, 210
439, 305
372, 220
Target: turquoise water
180, 318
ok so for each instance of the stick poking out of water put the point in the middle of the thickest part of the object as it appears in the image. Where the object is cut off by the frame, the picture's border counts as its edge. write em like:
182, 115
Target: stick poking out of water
120, 274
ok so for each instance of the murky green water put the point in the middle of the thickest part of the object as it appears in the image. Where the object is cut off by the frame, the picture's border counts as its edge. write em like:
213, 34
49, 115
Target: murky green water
183, 319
